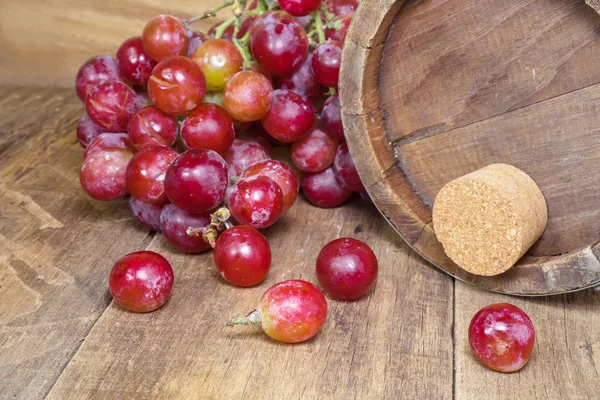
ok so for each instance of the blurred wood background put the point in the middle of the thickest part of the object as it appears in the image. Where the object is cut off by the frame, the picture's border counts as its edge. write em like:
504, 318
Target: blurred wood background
43, 42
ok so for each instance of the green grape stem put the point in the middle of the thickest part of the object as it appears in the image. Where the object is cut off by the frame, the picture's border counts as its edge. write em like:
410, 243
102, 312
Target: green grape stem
212, 12
251, 319
319, 27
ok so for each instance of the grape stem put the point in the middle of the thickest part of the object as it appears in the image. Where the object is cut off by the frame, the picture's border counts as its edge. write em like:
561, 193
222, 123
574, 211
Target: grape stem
220, 30
212, 12
238, 10
319, 26
251, 319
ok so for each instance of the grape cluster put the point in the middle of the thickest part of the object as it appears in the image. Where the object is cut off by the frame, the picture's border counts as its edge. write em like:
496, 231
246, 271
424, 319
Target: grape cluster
185, 123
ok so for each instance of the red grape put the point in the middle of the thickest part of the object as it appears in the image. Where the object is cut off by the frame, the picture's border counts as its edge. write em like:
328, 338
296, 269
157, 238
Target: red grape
110, 104
323, 189
315, 152
177, 85
146, 174
241, 154
183, 230
243, 256
281, 174
347, 268
302, 81
299, 8
256, 201
135, 65
209, 127
109, 141
87, 131
290, 311
502, 337
219, 59
197, 180
341, 7
326, 63
248, 96
94, 71
147, 214
165, 36
195, 39
346, 171
103, 174
150, 127
279, 46
141, 281
290, 117
332, 117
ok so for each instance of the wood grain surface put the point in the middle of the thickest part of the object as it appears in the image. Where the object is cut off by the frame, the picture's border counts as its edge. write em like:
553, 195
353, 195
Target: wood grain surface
61, 335
438, 89
45, 42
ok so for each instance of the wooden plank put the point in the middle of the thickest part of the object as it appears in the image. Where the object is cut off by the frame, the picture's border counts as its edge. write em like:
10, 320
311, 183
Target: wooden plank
450, 63
63, 34
54, 241
566, 359
396, 342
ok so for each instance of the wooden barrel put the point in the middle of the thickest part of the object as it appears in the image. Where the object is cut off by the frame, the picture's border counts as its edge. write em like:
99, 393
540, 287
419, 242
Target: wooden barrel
434, 89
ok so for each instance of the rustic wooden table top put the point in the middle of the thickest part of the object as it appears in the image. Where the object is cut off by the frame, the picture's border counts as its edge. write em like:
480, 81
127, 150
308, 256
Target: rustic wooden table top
62, 337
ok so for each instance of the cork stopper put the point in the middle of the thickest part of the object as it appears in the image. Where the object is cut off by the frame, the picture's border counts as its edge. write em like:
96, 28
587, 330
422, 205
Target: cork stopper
488, 219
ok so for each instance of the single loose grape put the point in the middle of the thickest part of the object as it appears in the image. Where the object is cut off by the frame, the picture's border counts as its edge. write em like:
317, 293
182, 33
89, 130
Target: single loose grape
291, 311
141, 281
502, 337
347, 268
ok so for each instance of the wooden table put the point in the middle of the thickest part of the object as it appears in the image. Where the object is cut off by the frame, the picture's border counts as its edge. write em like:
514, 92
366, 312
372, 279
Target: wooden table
61, 336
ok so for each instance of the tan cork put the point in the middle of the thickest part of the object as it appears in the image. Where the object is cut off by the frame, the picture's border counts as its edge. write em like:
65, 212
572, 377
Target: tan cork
488, 219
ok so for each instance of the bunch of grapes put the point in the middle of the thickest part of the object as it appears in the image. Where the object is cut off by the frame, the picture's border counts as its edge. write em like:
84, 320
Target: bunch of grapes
185, 123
